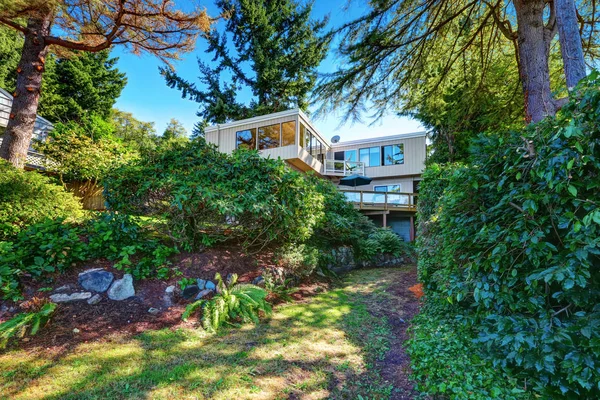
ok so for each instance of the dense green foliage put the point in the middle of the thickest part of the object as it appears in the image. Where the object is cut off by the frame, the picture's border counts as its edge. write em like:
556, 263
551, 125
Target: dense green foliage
10, 41
233, 301
277, 41
30, 197
444, 362
16, 327
54, 246
84, 150
512, 242
80, 85
206, 196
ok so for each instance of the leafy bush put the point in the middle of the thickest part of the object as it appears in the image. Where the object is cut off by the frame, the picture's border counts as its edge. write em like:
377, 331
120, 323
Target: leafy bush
53, 246
299, 260
17, 326
382, 241
233, 301
30, 197
206, 196
444, 362
513, 242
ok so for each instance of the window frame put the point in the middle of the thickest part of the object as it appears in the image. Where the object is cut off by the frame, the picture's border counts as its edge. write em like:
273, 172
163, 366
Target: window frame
369, 149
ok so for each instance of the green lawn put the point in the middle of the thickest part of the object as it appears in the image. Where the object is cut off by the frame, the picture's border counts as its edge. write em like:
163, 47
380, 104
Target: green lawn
323, 348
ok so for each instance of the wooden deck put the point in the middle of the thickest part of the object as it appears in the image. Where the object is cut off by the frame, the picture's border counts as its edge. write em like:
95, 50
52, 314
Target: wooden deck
382, 201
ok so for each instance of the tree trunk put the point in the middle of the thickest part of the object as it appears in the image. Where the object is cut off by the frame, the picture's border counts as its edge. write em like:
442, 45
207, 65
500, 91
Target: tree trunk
570, 42
533, 39
25, 103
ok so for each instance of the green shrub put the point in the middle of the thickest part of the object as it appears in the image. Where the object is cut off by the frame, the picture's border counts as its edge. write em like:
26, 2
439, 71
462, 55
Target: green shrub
30, 197
382, 241
232, 301
54, 245
444, 362
17, 326
299, 260
513, 242
206, 196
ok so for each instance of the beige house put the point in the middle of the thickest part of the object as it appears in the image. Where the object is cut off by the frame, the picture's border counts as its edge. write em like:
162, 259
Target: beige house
394, 163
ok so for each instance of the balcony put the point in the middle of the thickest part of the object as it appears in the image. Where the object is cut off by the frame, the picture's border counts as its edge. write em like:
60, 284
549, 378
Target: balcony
343, 168
371, 200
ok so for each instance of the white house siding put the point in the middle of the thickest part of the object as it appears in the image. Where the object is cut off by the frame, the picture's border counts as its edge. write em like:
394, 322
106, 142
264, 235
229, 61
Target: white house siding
42, 126
415, 150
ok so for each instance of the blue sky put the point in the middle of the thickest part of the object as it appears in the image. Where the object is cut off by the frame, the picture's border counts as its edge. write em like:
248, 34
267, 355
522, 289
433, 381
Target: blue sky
149, 99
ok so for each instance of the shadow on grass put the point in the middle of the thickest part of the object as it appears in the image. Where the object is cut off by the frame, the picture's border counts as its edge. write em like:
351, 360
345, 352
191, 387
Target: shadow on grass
325, 348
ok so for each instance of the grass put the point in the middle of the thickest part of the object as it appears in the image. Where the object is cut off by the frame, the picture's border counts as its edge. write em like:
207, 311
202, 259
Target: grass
326, 347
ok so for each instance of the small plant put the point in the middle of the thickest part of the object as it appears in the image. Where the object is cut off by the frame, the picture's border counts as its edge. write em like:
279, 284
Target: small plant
185, 282
17, 327
233, 301
279, 288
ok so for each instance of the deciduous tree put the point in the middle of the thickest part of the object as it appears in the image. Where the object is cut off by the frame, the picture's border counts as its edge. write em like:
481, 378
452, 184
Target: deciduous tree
152, 26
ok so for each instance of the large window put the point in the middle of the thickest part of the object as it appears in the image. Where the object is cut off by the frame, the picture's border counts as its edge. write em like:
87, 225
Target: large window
393, 154
246, 139
371, 156
288, 133
268, 136
350, 155
388, 188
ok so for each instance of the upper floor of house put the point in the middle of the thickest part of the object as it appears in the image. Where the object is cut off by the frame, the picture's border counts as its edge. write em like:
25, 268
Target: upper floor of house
291, 136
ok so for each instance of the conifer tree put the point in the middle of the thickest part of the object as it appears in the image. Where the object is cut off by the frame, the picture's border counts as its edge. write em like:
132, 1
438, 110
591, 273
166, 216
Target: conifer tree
270, 47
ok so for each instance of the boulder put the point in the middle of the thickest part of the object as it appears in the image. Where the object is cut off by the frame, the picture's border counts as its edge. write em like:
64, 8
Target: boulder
122, 289
153, 311
96, 280
95, 299
190, 291
201, 283
203, 294
170, 289
210, 285
67, 298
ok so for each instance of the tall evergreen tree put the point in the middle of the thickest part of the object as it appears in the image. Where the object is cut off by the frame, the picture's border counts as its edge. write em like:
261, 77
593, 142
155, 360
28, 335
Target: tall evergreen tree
10, 46
89, 83
390, 47
269, 47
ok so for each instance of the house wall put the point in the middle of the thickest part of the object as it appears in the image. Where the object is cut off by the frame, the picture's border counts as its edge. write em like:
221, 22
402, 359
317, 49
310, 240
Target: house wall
415, 153
225, 138
407, 184
41, 128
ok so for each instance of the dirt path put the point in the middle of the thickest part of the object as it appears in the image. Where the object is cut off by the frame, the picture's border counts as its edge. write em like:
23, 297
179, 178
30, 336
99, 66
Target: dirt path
391, 299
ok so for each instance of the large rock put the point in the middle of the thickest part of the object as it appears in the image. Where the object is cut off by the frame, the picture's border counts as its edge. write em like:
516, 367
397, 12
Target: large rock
201, 283
95, 299
190, 291
67, 298
122, 289
210, 285
96, 280
259, 281
204, 293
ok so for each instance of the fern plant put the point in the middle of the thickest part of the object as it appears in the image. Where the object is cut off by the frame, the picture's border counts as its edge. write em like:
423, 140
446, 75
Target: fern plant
232, 301
17, 326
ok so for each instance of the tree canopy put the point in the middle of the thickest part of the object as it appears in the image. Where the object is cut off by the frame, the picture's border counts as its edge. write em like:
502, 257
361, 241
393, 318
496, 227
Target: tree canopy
156, 27
269, 48
393, 47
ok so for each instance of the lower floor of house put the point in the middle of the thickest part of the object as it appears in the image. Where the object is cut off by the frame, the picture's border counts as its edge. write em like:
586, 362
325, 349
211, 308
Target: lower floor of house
400, 222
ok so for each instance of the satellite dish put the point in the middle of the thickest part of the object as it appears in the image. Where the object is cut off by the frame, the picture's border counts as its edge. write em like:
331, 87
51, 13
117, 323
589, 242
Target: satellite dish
335, 139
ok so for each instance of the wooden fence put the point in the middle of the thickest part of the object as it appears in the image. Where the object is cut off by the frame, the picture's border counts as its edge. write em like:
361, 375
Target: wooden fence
90, 194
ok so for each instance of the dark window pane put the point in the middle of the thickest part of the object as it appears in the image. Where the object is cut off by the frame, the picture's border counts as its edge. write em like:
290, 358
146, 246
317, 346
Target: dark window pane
246, 139
338, 155
268, 137
288, 133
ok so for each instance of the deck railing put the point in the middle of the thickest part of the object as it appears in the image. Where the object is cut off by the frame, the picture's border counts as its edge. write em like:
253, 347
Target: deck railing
343, 168
372, 200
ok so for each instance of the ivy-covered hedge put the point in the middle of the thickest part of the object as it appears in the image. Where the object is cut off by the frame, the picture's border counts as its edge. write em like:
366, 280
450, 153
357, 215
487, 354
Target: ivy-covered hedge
513, 242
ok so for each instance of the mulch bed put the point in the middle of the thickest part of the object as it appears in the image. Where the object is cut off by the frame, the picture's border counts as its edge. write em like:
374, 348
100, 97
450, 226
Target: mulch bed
78, 322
